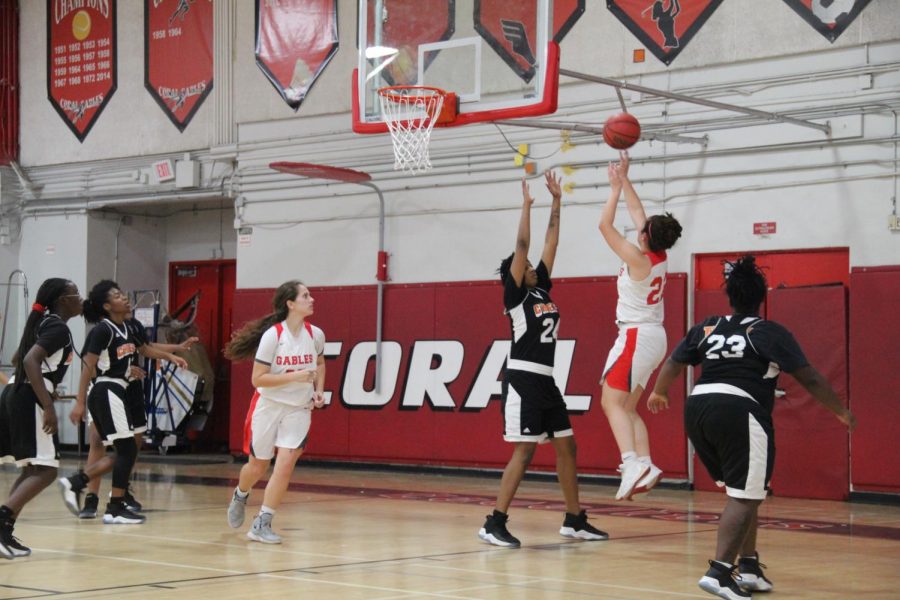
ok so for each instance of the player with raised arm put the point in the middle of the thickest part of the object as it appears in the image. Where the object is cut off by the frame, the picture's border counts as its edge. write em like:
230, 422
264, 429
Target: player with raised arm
534, 410
641, 343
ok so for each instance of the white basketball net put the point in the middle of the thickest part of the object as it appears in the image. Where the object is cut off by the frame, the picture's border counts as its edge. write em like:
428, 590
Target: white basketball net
410, 114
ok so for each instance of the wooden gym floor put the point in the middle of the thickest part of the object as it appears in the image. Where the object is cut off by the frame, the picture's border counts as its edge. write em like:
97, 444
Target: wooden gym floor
379, 535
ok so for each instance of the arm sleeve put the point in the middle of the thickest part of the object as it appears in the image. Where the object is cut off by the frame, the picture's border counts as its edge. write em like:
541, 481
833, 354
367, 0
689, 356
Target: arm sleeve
52, 335
268, 344
98, 339
543, 276
776, 344
688, 350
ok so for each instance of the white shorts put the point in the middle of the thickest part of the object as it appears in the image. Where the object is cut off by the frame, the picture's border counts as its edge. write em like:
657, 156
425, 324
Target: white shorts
278, 425
637, 352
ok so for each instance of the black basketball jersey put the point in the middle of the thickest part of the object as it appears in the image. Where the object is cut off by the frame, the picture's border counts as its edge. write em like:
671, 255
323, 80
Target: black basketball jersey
533, 319
54, 337
743, 351
137, 329
116, 347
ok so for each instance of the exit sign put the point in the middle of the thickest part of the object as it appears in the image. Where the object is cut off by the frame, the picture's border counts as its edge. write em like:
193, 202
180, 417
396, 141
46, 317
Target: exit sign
767, 228
164, 169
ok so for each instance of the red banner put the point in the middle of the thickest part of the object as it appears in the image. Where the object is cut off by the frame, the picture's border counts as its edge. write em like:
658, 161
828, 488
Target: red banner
828, 17
510, 29
295, 40
665, 27
81, 60
178, 56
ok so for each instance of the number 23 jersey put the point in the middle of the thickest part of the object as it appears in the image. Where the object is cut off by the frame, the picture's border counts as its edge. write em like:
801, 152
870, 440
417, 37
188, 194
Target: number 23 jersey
534, 320
743, 351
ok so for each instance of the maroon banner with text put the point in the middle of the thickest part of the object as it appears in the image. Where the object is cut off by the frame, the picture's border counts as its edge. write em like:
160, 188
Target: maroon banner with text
81, 60
665, 27
828, 17
178, 56
444, 349
295, 40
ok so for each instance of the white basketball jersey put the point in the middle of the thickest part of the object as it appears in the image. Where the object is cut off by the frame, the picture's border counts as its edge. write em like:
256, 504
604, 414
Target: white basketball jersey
284, 352
642, 301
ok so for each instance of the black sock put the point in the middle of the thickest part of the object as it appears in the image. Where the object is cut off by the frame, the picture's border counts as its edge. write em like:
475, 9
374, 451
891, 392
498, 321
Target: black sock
79, 480
502, 516
6, 516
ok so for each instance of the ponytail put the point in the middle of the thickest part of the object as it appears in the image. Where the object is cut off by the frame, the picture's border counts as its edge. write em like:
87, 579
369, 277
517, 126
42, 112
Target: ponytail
244, 342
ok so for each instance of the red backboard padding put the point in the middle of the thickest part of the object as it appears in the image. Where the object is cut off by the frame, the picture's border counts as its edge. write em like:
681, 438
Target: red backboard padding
470, 315
874, 354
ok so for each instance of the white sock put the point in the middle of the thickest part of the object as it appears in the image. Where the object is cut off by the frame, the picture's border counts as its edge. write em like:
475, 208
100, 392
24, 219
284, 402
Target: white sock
626, 456
645, 460
241, 494
266, 510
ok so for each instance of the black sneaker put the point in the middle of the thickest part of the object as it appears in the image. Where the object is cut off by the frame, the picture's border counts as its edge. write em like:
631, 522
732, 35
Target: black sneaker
10, 546
130, 501
495, 532
119, 514
576, 526
71, 494
752, 578
720, 580
89, 510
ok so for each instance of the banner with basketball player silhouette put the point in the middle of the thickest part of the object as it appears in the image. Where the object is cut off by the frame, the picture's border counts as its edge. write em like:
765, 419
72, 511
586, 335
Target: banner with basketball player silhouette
509, 29
828, 17
81, 60
295, 40
178, 56
665, 27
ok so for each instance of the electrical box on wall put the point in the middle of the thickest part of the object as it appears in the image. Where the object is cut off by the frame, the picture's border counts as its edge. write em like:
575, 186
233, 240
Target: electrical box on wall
187, 173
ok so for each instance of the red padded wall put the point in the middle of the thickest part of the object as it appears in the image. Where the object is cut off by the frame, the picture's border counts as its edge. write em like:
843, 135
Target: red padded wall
874, 355
472, 314
812, 456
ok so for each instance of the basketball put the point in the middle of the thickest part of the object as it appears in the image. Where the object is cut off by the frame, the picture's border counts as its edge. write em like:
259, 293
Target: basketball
621, 131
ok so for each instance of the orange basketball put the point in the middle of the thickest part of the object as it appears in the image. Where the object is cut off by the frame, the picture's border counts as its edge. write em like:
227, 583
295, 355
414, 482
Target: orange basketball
621, 131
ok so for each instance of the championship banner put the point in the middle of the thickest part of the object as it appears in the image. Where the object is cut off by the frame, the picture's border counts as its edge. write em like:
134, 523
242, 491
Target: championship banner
295, 39
665, 27
178, 56
406, 34
828, 17
509, 29
81, 60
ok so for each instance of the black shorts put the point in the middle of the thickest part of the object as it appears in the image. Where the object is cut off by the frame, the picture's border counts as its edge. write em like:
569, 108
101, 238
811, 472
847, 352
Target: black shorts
22, 437
533, 408
109, 410
735, 440
134, 402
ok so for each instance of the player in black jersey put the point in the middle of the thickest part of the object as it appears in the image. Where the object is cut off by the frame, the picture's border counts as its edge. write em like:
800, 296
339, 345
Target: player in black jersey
728, 416
28, 422
134, 402
533, 407
110, 350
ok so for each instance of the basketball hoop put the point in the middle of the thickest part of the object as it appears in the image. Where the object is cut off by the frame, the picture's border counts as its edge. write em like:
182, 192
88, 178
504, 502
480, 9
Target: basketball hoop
411, 112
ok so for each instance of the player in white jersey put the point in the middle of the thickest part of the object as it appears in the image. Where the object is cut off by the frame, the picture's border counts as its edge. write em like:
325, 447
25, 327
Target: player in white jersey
289, 377
641, 343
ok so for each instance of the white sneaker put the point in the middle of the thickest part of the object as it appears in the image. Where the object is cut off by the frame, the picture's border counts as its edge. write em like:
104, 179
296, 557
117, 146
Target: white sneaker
648, 481
261, 530
632, 472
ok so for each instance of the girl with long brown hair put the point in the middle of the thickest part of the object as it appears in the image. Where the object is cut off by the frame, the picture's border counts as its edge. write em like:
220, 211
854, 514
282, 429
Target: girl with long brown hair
289, 377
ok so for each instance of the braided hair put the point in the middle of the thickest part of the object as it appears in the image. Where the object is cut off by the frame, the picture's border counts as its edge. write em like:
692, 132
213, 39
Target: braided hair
662, 231
244, 342
745, 285
92, 309
44, 304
